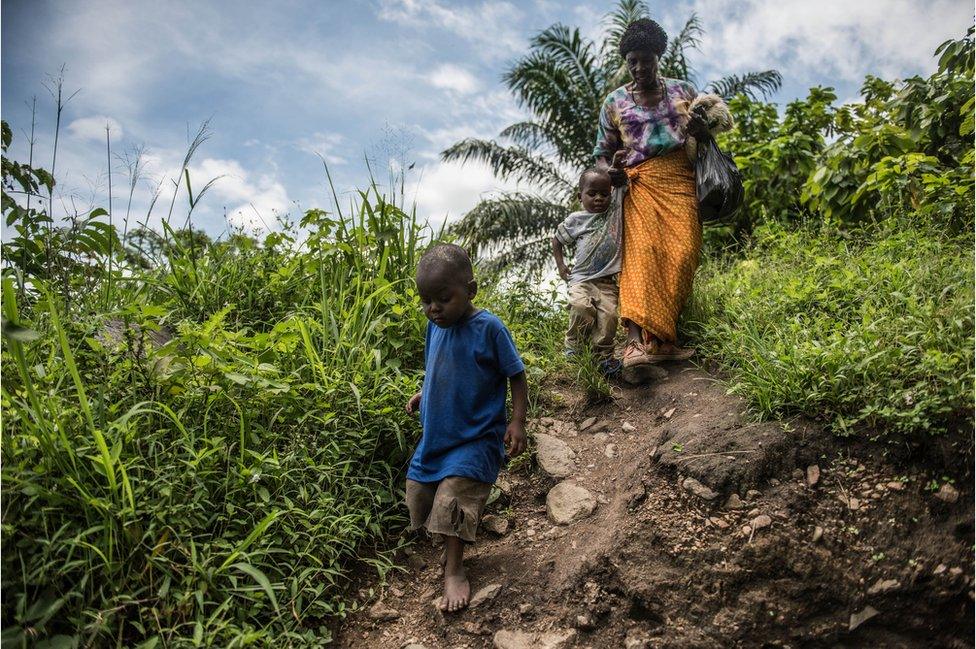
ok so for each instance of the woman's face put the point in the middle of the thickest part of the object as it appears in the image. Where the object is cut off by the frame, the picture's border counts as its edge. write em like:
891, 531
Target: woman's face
642, 67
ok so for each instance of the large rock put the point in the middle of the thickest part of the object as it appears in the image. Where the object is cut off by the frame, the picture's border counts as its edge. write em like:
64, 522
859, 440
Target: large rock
555, 456
567, 503
557, 639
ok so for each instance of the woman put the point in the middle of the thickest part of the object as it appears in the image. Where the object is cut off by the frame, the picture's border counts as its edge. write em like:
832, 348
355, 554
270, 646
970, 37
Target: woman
662, 233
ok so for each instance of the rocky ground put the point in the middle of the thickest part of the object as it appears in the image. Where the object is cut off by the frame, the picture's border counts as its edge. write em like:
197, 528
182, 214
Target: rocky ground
667, 518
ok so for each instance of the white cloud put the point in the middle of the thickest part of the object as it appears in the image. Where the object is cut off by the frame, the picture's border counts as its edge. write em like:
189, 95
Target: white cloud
452, 77
93, 128
325, 145
250, 204
829, 39
494, 26
446, 191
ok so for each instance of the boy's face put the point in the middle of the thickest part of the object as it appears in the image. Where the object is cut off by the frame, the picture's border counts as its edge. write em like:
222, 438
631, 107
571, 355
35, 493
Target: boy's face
445, 299
595, 192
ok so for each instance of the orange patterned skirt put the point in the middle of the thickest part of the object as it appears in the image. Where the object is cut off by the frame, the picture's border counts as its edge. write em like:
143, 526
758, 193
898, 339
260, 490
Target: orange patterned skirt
662, 243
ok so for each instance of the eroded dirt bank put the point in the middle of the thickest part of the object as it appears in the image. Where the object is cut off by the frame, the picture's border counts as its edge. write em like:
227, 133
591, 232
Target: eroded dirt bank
706, 530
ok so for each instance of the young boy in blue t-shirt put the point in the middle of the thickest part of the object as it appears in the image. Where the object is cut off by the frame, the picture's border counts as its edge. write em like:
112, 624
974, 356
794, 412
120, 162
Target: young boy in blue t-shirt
470, 359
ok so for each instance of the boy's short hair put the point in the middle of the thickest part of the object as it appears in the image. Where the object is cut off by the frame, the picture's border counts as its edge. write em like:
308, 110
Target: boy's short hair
446, 257
591, 170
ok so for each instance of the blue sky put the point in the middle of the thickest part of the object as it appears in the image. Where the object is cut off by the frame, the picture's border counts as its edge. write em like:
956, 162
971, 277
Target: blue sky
379, 79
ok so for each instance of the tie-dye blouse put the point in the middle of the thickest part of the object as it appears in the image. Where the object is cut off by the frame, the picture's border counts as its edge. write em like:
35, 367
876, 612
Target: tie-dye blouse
646, 132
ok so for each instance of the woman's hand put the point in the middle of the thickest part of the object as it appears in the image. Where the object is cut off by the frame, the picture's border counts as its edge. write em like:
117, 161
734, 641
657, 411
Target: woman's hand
564, 271
413, 405
697, 127
618, 177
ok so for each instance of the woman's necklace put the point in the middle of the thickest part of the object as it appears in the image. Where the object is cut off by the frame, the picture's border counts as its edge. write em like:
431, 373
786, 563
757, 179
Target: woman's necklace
660, 88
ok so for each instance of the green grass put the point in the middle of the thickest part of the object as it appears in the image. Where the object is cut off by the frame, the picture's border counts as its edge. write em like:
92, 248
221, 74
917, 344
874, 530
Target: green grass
218, 490
867, 330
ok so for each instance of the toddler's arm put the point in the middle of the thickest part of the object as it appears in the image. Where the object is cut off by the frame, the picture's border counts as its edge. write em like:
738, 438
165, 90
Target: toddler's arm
515, 433
413, 404
617, 174
557, 253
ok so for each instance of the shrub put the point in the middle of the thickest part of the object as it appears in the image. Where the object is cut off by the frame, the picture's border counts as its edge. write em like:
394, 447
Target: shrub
867, 329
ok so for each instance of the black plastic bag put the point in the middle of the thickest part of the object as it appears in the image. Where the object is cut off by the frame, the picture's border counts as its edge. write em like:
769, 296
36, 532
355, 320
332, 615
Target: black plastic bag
720, 190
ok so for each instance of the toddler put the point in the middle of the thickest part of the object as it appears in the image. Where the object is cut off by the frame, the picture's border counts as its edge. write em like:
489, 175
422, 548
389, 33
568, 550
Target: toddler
470, 361
596, 232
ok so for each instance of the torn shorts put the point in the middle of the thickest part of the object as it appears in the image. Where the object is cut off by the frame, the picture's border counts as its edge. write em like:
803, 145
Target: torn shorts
451, 507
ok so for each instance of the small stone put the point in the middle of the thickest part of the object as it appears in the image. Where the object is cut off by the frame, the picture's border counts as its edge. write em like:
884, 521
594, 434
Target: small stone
382, 613
752, 494
525, 609
589, 421
753, 512
567, 503
697, 488
485, 594
854, 503
414, 645
585, 621
813, 475
939, 569
416, 562
555, 456
883, 586
955, 572
862, 616
628, 427
797, 474
474, 628
610, 451
947, 493
746, 530
601, 438
495, 524
734, 502
761, 521
817, 533
601, 426
896, 485
773, 482
668, 414
718, 522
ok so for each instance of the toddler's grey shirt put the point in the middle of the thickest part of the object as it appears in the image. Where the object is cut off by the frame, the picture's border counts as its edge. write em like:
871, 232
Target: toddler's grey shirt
598, 239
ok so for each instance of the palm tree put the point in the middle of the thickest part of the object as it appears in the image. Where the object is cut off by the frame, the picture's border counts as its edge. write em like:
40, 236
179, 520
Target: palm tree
562, 82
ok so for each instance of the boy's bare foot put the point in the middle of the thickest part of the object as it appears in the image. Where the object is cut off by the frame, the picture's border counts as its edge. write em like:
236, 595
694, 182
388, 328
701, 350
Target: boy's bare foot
457, 591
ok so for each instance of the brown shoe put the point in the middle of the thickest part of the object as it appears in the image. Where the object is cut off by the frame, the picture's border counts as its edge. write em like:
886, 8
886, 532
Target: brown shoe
670, 352
634, 354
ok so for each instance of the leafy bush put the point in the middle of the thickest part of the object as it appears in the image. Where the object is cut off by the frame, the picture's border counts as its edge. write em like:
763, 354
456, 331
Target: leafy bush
202, 439
871, 328
907, 146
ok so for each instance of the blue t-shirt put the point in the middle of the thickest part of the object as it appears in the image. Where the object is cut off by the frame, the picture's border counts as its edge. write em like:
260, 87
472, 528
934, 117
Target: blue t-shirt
462, 403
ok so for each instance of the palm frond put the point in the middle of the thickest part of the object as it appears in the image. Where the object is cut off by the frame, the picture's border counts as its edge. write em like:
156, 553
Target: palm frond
514, 162
674, 63
751, 84
555, 97
510, 227
532, 135
567, 48
615, 22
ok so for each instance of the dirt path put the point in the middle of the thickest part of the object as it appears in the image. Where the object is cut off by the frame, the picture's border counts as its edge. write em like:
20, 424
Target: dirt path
706, 531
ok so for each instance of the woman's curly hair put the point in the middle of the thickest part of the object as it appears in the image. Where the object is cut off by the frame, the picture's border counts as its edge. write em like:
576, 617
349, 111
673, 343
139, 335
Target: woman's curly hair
643, 35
